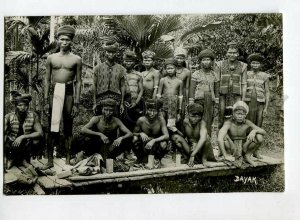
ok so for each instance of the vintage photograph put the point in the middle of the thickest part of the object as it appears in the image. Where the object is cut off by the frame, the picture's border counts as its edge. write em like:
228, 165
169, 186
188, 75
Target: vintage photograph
143, 104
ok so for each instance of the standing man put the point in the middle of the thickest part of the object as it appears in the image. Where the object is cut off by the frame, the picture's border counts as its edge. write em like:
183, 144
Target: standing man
63, 75
150, 76
232, 74
109, 78
134, 91
22, 130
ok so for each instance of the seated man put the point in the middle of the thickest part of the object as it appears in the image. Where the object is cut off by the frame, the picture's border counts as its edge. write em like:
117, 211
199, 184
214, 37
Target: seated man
196, 144
104, 135
22, 130
150, 133
237, 129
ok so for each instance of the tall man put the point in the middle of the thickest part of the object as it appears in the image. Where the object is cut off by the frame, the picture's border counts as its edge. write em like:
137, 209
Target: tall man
150, 76
22, 130
181, 72
232, 75
109, 78
63, 74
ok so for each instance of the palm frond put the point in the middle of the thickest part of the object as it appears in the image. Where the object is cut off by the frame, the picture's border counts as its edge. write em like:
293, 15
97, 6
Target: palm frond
197, 29
17, 57
162, 51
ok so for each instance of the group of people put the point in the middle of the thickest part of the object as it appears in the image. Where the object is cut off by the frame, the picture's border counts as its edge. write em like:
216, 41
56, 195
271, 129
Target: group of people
144, 113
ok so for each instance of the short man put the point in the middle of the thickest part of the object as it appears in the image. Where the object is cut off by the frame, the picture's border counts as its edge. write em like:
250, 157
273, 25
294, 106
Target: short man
134, 90
22, 130
232, 76
182, 73
194, 143
109, 78
236, 129
150, 133
63, 73
170, 92
104, 135
150, 76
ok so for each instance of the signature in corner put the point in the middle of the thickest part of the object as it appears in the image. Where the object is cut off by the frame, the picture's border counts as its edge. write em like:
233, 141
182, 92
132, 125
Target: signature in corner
245, 179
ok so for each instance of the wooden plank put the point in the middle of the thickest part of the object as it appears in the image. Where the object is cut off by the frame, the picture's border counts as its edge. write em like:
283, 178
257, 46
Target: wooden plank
55, 169
215, 171
38, 190
51, 182
61, 162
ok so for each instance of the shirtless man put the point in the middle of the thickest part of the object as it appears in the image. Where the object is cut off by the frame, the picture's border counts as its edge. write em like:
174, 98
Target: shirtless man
150, 133
170, 91
134, 90
236, 129
104, 137
182, 73
194, 143
150, 76
63, 70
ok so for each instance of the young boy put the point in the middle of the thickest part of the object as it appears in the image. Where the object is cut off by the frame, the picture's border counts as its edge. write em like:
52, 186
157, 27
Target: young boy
150, 76
195, 144
257, 85
150, 133
236, 129
134, 90
170, 91
104, 128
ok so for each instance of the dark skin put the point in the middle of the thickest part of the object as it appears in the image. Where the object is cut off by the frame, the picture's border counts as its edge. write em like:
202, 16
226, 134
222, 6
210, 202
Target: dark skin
21, 111
107, 125
183, 74
237, 127
150, 76
151, 128
63, 67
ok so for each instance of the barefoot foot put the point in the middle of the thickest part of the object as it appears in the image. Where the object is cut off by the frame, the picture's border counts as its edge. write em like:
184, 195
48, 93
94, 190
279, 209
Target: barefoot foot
250, 161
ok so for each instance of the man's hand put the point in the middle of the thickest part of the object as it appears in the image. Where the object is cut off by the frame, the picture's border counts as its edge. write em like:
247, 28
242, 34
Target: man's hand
104, 138
251, 136
46, 109
117, 142
74, 111
132, 105
229, 157
144, 137
18, 141
121, 108
191, 161
150, 144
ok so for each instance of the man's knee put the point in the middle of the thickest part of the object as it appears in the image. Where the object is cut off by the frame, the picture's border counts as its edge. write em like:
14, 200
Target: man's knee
259, 138
163, 145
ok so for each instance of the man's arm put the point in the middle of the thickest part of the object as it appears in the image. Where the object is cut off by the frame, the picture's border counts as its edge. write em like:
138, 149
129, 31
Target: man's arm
203, 135
187, 84
222, 133
267, 90
123, 89
155, 83
124, 129
141, 89
86, 129
192, 89
180, 97
255, 128
164, 130
78, 81
160, 88
47, 79
244, 80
